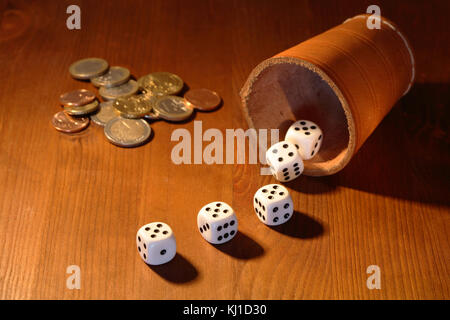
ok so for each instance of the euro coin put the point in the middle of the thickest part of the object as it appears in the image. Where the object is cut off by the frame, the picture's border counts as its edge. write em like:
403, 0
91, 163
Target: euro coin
88, 68
161, 83
203, 99
172, 108
127, 132
82, 110
67, 124
105, 113
133, 107
113, 78
77, 97
124, 90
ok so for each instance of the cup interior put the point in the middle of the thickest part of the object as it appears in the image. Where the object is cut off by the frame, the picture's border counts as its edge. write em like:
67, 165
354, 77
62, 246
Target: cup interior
284, 92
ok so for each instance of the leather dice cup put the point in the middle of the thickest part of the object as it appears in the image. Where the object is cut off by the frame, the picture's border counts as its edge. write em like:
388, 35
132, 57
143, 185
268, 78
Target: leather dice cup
345, 80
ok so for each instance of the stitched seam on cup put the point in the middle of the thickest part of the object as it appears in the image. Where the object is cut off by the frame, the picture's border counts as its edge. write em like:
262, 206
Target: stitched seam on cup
411, 56
408, 48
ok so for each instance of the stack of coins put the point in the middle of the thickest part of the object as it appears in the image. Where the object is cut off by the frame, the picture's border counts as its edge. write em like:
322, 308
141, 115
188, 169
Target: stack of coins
128, 105
76, 105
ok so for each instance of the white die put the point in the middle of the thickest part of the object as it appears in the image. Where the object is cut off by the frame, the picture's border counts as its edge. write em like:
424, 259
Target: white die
273, 204
217, 222
307, 136
156, 243
284, 161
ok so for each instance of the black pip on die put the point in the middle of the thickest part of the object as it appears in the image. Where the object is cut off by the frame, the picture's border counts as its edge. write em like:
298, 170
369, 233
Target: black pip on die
273, 204
156, 243
307, 136
217, 222
284, 161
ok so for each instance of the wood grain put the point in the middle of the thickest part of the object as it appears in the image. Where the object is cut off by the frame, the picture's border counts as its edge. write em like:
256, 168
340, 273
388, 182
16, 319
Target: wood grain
78, 200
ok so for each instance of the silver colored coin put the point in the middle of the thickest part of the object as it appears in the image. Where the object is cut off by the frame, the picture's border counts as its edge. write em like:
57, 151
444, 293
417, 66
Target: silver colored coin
124, 90
88, 68
127, 132
105, 114
82, 110
113, 78
172, 108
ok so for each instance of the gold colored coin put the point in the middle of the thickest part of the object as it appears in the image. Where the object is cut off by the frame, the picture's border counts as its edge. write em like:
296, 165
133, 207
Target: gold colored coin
127, 132
88, 68
161, 83
172, 108
82, 110
133, 107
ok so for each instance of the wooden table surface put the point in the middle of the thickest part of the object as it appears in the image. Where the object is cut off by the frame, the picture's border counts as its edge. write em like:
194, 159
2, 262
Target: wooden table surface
78, 200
